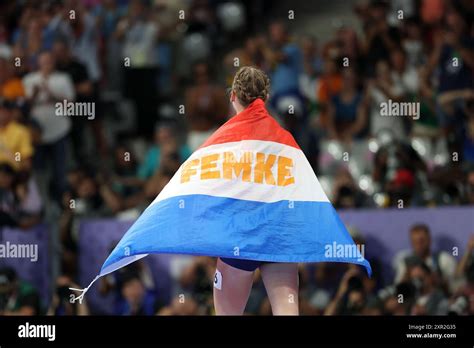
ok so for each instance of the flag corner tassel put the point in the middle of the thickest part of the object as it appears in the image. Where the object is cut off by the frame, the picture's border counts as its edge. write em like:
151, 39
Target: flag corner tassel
82, 291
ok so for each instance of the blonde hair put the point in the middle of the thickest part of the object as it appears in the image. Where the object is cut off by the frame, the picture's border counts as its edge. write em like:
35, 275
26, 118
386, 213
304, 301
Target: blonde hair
250, 84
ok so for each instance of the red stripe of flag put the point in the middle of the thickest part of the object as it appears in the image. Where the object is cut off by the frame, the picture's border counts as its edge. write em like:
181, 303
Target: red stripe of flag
254, 123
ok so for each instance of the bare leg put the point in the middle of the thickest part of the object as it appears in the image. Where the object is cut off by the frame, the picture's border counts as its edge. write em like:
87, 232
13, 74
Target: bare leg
281, 283
234, 292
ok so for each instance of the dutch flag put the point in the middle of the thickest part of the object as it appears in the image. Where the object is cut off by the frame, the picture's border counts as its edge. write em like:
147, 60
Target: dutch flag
249, 193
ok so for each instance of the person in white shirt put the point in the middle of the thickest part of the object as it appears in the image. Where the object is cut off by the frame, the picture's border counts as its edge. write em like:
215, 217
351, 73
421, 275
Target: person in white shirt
379, 91
441, 263
44, 88
404, 76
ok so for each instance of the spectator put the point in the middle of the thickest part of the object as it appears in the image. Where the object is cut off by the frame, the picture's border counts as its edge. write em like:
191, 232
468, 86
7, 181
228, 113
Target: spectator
17, 297
82, 33
350, 298
108, 14
294, 116
206, 106
346, 193
11, 87
312, 66
347, 110
43, 89
114, 281
440, 264
135, 299
16, 146
390, 299
124, 185
84, 92
453, 57
125, 182
94, 197
169, 165
286, 59
165, 136
399, 171
195, 282
88, 196
453, 54
347, 46
54, 17
430, 298
329, 85
29, 38
380, 38
403, 75
381, 90
20, 203
412, 43
138, 35
427, 125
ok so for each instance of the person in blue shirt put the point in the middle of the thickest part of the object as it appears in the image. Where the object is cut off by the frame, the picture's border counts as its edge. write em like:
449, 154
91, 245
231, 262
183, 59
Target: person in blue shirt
135, 299
348, 110
287, 62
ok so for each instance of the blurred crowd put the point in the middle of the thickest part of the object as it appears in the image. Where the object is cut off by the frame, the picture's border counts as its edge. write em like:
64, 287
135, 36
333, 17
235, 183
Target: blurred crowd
426, 282
157, 72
